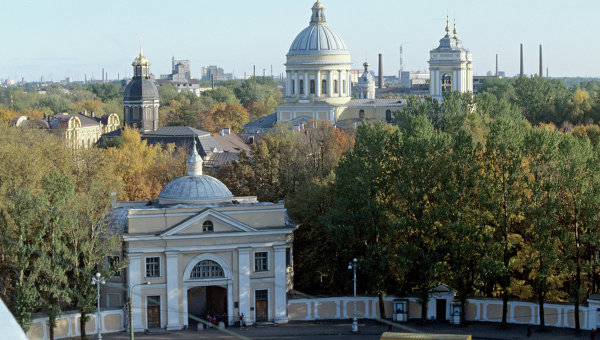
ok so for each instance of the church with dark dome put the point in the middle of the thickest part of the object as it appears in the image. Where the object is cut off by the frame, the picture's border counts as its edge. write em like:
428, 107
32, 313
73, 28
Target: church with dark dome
141, 101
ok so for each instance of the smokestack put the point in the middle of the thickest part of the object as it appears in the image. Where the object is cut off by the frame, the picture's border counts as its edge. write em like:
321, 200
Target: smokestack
254, 71
380, 85
496, 64
541, 65
521, 73
103, 74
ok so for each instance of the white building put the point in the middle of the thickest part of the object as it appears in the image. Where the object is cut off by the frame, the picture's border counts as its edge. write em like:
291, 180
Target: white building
204, 251
450, 66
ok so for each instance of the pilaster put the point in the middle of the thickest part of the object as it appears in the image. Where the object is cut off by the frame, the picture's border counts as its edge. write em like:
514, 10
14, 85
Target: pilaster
280, 285
244, 282
173, 290
133, 280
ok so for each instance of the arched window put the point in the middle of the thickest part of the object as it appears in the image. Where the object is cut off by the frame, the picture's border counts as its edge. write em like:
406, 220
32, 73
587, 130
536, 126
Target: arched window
207, 226
335, 86
324, 86
312, 86
301, 86
446, 83
361, 114
388, 115
207, 269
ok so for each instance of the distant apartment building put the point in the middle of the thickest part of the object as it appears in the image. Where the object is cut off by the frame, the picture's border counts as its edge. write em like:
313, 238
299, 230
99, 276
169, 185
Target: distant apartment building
215, 73
410, 79
181, 77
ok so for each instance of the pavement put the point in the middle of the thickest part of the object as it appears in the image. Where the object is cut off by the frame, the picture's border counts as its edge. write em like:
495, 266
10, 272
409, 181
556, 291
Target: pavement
367, 329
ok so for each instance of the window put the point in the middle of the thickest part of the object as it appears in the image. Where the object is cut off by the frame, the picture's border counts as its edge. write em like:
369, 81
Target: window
113, 261
207, 269
335, 86
293, 85
324, 86
301, 86
153, 266
207, 226
446, 83
261, 261
361, 114
312, 86
288, 257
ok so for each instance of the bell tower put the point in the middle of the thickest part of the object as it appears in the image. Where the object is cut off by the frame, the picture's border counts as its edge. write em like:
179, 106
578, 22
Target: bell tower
141, 101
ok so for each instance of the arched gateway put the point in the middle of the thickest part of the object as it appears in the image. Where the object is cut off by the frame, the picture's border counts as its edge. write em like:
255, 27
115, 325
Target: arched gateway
208, 284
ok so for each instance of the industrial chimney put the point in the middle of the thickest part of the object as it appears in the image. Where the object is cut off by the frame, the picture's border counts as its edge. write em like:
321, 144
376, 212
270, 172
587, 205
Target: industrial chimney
496, 64
380, 84
522, 73
541, 65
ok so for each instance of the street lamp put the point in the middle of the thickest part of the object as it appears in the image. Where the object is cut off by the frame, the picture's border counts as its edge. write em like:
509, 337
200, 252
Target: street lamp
98, 280
131, 308
352, 266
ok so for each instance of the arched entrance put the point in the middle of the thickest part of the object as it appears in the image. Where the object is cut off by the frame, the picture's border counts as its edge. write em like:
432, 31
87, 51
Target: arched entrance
203, 301
208, 284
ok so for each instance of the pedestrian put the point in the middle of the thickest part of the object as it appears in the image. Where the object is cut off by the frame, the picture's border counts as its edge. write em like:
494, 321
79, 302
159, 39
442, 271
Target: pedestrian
528, 330
593, 334
242, 323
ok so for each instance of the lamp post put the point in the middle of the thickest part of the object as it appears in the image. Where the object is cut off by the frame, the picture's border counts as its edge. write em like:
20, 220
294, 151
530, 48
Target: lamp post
352, 266
131, 307
98, 280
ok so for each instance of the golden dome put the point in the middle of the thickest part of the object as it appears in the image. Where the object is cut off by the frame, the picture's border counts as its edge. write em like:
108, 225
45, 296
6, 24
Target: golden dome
141, 60
318, 4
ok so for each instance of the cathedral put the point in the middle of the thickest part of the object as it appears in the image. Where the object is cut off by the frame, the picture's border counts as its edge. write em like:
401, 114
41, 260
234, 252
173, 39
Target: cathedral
318, 79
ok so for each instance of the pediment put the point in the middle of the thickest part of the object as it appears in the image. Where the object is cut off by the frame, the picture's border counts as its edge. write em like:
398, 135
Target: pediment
221, 222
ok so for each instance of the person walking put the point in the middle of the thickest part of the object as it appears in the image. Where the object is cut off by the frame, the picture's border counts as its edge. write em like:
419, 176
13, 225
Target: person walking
528, 330
593, 334
242, 322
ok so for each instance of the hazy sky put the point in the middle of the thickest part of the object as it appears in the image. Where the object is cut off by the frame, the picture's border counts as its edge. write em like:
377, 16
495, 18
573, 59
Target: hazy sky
60, 38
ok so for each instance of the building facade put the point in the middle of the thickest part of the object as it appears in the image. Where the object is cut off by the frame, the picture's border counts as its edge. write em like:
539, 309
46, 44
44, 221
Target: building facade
366, 84
205, 252
450, 66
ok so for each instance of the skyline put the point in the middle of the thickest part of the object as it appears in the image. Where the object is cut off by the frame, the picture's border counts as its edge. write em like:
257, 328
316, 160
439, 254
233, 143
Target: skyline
71, 38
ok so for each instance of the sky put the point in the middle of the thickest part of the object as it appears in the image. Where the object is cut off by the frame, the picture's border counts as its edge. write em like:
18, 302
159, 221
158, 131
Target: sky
74, 38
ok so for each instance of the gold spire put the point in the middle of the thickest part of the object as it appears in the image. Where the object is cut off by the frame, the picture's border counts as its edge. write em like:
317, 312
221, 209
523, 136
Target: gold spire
141, 60
447, 27
455, 31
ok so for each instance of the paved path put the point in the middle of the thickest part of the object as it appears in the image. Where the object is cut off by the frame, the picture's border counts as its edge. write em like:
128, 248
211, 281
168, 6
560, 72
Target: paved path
340, 330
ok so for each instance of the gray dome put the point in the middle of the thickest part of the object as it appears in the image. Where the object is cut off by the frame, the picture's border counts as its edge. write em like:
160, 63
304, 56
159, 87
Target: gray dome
195, 190
318, 40
366, 78
141, 88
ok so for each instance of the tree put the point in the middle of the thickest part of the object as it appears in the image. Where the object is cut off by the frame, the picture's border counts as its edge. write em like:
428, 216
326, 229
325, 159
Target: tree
221, 116
504, 192
577, 168
421, 160
360, 221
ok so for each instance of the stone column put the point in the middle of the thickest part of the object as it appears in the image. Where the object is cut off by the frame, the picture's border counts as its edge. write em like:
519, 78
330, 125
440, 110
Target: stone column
244, 283
230, 316
297, 80
173, 290
305, 84
280, 285
133, 278
287, 84
339, 85
318, 84
330, 83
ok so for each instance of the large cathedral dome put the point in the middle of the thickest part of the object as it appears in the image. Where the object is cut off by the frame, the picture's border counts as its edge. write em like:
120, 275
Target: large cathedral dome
195, 188
318, 38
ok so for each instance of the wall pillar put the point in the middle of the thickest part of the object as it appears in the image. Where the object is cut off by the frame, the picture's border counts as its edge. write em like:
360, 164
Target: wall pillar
339, 87
133, 278
280, 285
244, 283
173, 290
297, 80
